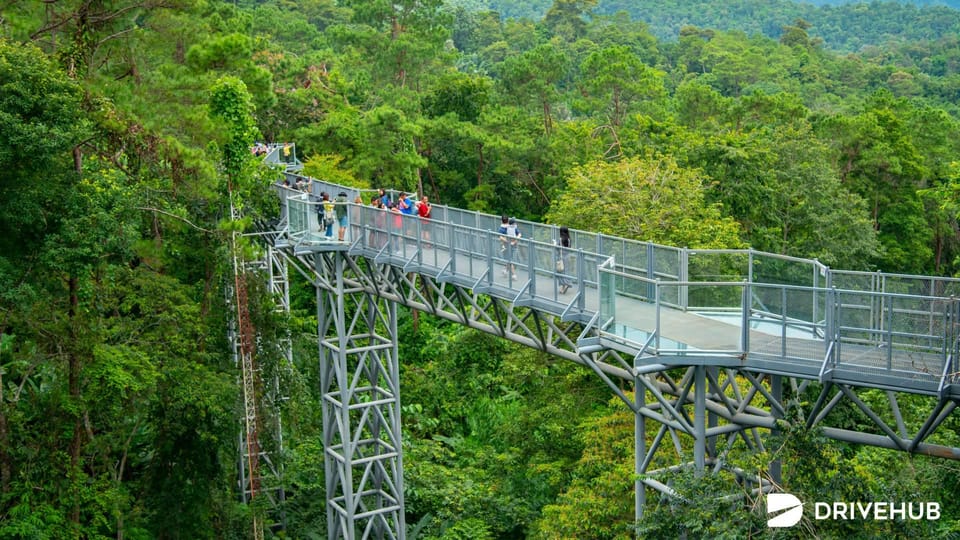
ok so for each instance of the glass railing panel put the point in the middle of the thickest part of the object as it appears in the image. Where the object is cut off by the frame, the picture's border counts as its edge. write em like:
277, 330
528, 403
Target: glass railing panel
589, 268
552, 281
904, 335
548, 234
855, 281
893, 321
299, 212
633, 258
917, 322
608, 299
707, 296
920, 285
773, 301
714, 329
433, 248
488, 222
472, 251
859, 316
667, 262
584, 240
770, 268
796, 311
718, 265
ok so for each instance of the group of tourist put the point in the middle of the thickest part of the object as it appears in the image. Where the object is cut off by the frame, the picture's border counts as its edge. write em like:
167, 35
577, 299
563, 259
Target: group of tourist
259, 149
332, 213
300, 183
403, 206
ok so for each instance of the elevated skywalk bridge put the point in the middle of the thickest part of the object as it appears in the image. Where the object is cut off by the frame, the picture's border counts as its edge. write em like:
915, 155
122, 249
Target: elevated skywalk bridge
666, 307
688, 328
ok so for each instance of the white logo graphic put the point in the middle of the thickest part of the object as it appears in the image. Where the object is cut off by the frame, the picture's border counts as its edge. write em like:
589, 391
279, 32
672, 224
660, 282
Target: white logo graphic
784, 501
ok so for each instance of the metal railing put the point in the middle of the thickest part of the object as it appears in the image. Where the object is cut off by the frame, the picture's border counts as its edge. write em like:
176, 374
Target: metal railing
907, 338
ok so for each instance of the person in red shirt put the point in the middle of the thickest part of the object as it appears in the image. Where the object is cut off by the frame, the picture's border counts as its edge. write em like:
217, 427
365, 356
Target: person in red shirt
423, 210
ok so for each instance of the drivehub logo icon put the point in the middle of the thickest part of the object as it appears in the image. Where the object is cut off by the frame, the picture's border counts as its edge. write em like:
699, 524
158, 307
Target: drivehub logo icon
788, 510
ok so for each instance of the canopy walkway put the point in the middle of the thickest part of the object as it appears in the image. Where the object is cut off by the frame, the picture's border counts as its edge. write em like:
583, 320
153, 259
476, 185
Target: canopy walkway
716, 338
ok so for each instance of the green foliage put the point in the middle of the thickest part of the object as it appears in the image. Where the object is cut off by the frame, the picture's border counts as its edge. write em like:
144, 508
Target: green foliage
122, 119
230, 103
645, 199
617, 79
41, 113
326, 168
598, 502
706, 506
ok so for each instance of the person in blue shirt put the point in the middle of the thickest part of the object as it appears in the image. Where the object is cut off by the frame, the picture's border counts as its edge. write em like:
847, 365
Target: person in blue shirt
406, 205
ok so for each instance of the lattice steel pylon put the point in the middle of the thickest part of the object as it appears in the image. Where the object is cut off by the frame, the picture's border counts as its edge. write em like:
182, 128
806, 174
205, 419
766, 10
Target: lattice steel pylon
360, 387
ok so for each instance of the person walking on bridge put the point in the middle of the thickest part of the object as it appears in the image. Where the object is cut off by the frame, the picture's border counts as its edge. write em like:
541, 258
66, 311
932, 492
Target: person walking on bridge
563, 264
509, 238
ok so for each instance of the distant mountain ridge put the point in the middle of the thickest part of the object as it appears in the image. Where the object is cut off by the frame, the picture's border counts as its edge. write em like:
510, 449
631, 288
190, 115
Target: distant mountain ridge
955, 4
842, 25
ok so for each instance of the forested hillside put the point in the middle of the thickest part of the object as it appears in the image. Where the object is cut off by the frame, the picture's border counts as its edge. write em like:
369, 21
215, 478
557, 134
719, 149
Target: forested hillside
841, 25
127, 126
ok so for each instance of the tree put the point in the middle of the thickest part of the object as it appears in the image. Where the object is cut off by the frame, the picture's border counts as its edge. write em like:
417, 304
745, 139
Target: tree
39, 117
565, 18
878, 160
649, 199
230, 104
614, 81
533, 76
780, 185
598, 503
407, 36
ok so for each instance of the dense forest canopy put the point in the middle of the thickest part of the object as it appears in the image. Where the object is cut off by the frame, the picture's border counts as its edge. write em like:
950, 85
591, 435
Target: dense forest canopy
127, 125
847, 26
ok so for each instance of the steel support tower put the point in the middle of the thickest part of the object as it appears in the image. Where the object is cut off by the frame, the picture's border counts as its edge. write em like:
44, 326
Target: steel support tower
360, 389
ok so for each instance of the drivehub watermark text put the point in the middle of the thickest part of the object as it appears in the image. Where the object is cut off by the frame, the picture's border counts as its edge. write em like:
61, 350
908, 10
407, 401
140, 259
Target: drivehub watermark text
786, 510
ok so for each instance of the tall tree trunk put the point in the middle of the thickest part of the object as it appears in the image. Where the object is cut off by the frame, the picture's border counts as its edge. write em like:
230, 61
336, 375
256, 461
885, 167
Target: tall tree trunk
5, 467
73, 368
416, 147
547, 120
480, 164
938, 252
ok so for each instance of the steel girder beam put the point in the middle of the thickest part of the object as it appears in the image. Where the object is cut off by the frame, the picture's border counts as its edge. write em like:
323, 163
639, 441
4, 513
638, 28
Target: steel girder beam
486, 313
896, 436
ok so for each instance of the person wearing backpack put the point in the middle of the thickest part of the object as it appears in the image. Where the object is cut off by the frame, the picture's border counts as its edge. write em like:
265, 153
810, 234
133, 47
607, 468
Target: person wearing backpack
329, 215
509, 238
